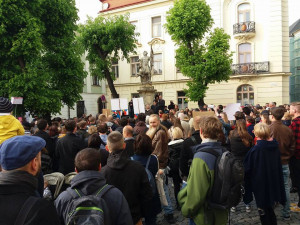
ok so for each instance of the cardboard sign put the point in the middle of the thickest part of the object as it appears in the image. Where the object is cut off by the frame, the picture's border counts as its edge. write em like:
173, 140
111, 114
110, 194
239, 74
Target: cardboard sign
206, 113
138, 105
17, 100
106, 112
231, 110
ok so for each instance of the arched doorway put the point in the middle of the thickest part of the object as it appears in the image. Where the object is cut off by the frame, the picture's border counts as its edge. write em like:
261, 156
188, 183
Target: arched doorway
245, 94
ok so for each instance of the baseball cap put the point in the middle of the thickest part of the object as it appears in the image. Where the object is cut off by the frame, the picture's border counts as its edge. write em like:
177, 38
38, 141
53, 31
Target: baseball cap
17, 151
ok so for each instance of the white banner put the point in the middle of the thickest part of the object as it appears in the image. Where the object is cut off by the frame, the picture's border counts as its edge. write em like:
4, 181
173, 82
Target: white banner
231, 110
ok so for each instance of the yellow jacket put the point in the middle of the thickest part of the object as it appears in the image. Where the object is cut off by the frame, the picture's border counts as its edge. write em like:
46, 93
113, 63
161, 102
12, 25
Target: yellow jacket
9, 127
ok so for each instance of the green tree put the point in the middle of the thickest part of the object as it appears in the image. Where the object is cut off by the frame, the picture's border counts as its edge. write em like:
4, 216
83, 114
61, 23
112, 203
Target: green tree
204, 59
105, 40
39, 57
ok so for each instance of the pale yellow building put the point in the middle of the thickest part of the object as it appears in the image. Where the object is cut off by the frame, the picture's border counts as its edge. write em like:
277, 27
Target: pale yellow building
259, 41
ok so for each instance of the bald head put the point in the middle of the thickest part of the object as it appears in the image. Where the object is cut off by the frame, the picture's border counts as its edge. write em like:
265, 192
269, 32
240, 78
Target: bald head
128, 131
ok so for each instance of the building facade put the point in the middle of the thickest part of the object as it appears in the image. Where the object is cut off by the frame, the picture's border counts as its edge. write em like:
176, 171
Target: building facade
295, 61
259, 41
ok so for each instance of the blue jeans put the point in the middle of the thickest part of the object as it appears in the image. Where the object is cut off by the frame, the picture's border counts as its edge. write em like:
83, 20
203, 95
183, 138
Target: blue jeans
167, 209
286, 174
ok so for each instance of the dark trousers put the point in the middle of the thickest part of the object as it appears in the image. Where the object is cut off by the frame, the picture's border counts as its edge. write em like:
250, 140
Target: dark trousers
295, 173
267, 216
176, 181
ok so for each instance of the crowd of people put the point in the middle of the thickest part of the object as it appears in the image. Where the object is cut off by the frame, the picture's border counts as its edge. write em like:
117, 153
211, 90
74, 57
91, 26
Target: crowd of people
123, 165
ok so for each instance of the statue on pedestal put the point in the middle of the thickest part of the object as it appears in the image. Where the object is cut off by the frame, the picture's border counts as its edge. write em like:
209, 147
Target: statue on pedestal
146, 65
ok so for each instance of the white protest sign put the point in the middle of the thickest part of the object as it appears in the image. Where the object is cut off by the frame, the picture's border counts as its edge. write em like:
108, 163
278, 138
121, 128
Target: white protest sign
141, 105
123, 103
231, 110
17, 100
138, 105
115, 104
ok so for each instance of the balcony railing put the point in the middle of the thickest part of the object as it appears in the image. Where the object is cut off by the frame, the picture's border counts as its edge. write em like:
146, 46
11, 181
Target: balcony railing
250, 68
244, 30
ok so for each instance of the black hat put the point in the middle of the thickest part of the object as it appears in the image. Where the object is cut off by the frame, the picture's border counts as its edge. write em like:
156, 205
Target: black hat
5, 105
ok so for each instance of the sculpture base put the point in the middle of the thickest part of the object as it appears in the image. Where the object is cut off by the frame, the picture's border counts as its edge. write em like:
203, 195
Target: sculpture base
147, 91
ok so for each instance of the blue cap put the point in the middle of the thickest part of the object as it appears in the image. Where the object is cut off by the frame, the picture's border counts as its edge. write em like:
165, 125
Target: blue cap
17, 151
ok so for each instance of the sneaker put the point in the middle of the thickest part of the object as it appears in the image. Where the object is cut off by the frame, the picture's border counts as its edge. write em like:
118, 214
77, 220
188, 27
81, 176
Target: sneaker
248, 208
170, 218
287, 217
233, 209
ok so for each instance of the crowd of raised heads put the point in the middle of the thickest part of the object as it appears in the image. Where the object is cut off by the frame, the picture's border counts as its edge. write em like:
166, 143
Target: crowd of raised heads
128, 161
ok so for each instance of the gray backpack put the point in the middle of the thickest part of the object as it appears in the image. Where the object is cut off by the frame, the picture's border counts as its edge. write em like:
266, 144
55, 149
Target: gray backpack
88, 209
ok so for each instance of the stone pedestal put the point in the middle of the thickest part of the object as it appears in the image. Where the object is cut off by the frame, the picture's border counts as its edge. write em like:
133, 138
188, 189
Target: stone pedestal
147, 91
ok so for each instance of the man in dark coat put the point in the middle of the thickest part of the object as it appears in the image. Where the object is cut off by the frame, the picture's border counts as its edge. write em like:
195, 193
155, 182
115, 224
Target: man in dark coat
89, 181
42, 126
21, 162
67, 148
129, 140
187, 154
128, 176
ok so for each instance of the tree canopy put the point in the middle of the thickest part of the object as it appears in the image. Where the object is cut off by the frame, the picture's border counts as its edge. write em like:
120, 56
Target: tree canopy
39, 57
202, 55
105, 40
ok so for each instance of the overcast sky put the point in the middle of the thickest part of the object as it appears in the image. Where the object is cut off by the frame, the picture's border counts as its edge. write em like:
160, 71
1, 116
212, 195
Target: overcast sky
92, 7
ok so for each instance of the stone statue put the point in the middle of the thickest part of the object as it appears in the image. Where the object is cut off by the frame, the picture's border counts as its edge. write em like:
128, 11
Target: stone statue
145, 68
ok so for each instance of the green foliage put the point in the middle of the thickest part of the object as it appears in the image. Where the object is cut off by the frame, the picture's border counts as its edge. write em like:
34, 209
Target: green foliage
205, 62
39, 58
107, 39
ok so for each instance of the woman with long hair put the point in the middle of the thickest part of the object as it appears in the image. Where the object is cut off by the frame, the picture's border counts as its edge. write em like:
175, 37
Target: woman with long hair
240, 143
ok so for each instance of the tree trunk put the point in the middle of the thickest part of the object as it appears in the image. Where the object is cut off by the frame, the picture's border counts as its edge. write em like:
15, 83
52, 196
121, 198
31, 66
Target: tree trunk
201, 102
111, 85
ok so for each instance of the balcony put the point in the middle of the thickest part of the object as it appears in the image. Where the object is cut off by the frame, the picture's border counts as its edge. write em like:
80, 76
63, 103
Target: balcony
244, 30
250, 68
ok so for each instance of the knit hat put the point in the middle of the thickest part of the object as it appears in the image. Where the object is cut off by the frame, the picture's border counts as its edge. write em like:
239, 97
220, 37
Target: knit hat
17, 151
5, 105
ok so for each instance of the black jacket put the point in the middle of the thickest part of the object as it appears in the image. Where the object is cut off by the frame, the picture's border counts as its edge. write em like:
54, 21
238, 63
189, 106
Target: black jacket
90, 182
238, 148
131, 179
50, 144
166, 123
15, 188
66, 150
187, 154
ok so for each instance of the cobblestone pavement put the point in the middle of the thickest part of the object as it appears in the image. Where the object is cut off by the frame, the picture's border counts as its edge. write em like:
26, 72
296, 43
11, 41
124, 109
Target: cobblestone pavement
240, 217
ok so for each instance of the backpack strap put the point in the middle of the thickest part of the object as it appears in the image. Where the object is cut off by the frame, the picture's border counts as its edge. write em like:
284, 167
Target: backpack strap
75, 193
148, 161
103, 190
27, 206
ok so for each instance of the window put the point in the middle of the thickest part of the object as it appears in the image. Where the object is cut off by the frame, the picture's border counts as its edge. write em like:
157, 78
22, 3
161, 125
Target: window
157, 63
245, 94
156, 26
135, 23
244, 12
245, 53
115, 68
95, 80
182, 100
135, 95
134, 64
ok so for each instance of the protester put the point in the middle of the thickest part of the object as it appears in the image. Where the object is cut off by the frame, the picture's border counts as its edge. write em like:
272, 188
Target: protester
143, 150
128, 176
89, 181
21, 163
9, 125
165, 122
263, 175
42, 126
284, 136
67, 148
193, 198
140, 127
129, 140
95, 142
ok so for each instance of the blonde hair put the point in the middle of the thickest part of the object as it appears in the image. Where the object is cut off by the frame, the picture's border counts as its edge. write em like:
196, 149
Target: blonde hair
102, 118
225, 118
92, 130
262, 131
177, 133
297, 106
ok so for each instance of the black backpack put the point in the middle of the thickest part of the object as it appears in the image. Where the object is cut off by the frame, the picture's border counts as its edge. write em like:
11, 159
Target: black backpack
228, 180
87, 209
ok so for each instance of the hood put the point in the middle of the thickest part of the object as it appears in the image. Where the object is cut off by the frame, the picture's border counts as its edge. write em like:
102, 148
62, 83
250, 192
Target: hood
175, 142
117, 160
6, 121
214, 145
267, 145
88, 181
